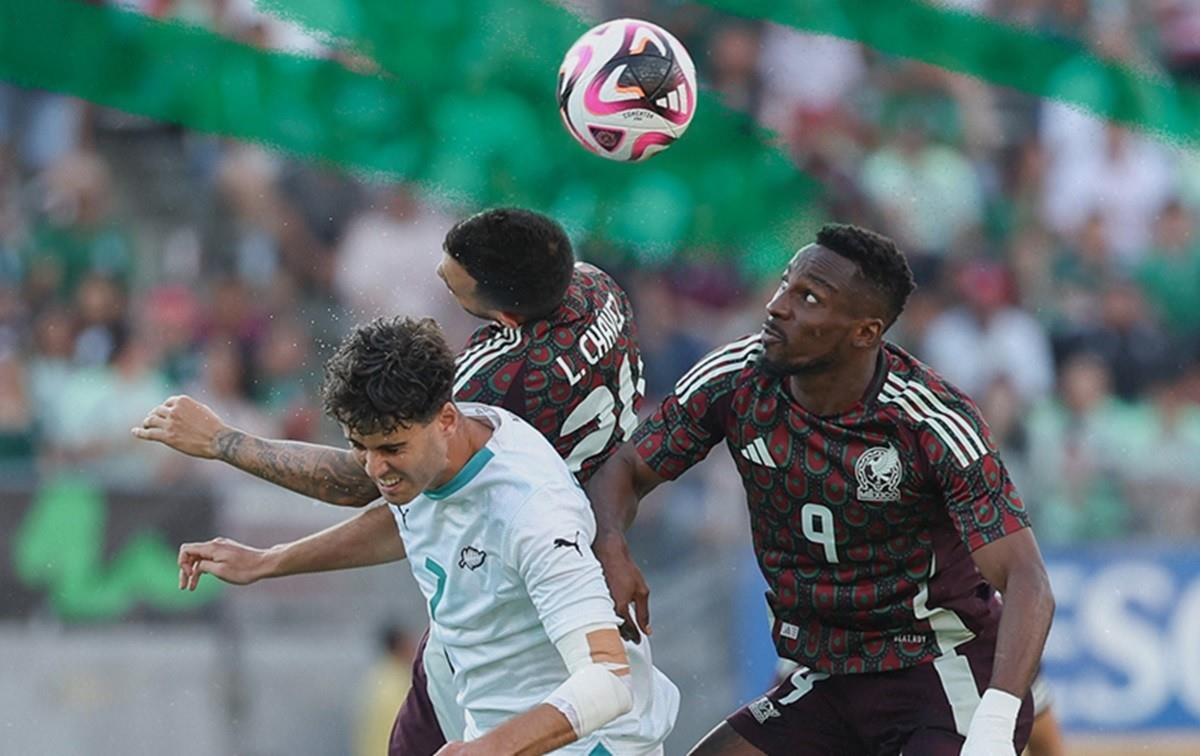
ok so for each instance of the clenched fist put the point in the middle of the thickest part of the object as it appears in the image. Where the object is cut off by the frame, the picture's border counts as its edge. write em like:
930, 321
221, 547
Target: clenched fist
185, 425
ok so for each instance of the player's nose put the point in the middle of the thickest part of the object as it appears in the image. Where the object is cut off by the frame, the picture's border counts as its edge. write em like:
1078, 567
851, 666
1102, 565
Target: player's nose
375, 465
776, 309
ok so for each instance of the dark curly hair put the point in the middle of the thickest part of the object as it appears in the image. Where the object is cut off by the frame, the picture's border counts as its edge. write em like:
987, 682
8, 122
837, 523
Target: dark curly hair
521, 260
878, 260
389, 373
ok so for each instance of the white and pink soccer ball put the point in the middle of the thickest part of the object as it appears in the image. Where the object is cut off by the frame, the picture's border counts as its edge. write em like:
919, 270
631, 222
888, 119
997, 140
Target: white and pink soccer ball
627, 89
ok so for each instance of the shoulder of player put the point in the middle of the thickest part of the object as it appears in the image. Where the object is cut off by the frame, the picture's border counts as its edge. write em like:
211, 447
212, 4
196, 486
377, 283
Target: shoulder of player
925, 401
490, 348
542, 509
596, 284
908, 375
722, 369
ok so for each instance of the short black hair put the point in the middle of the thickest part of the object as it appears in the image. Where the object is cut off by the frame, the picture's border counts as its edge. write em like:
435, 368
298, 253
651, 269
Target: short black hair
878, 260
389, 373
521, 260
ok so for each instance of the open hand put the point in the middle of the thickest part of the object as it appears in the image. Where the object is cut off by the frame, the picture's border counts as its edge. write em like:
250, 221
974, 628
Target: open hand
228, 560
626, 584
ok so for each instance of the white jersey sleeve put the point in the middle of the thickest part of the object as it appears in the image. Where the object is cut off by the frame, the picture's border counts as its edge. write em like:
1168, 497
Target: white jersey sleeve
550, 546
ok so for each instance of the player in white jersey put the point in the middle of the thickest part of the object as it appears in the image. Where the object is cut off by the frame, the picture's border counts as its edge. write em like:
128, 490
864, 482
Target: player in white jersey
497, 533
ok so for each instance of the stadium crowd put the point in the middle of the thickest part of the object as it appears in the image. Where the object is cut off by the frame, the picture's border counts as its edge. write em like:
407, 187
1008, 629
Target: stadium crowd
1057, 257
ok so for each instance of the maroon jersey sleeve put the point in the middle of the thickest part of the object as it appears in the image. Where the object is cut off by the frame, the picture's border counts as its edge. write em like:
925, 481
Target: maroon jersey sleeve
691, 420
490, 368
975, 485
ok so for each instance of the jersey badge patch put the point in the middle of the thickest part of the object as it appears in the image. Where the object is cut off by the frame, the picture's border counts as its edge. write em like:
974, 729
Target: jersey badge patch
471, 558
879, 473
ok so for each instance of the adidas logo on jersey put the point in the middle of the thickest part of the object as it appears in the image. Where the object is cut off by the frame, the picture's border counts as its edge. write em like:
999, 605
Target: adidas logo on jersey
758, 453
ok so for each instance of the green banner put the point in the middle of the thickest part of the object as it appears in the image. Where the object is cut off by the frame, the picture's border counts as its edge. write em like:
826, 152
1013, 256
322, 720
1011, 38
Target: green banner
88, 554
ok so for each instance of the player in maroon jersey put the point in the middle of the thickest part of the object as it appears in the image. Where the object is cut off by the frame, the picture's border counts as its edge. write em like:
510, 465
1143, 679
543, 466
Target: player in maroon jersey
882, 518
560, 351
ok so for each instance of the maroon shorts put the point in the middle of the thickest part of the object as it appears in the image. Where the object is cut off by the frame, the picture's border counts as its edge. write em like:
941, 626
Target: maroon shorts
921, 710
416, 731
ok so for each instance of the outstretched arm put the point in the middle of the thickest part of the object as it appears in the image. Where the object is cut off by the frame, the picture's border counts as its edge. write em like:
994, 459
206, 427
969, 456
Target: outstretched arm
614, 491
320, 472
366, 539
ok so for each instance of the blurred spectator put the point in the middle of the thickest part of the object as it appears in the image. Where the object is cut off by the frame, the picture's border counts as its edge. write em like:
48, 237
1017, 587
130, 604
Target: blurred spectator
1080, 271
286, 380
1077, 456
669, 349
233, 314
383, 692
14, 319
13, 222
242, 238
1096, 168
76, 233
807, 80
315, 206
175, 311
102, 309
1031, 254
388, 257
39, 128
928, 193
987, 337
18, 430
88, 428
735, 66
50, 365
1005, 414
1178, 29
1124, 336
1164, 480
225, 384
1170, 273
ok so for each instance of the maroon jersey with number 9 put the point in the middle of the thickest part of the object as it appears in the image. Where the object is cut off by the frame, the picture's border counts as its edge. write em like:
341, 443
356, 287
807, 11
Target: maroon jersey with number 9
863, 523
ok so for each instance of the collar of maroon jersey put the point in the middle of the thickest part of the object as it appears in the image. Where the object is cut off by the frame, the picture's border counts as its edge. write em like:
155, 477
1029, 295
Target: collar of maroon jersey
868, 398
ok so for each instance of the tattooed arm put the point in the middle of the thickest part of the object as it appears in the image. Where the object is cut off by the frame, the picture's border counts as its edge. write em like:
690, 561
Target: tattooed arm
321, 472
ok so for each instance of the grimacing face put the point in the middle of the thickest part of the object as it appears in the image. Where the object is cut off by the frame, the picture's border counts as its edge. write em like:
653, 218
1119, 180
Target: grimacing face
463, 288
817, 316
409, 459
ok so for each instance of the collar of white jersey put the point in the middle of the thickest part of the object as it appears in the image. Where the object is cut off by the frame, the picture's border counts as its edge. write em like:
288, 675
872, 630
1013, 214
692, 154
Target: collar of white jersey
478, 460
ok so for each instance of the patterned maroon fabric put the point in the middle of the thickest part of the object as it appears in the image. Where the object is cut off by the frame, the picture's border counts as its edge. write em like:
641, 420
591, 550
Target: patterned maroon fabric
907, 711
575, 376
862, 523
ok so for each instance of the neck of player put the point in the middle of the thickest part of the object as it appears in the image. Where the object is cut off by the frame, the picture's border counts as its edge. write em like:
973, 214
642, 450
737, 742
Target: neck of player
469, 437
836, 388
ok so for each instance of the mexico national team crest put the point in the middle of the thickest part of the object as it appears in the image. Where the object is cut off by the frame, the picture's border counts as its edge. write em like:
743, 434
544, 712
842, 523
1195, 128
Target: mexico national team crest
879, 472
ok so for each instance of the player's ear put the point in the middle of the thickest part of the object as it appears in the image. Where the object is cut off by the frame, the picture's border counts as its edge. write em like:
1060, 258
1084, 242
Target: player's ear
507, 319
447, 418
867, 333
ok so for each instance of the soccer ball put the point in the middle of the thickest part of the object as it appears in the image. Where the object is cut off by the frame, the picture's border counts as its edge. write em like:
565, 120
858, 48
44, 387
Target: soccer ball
627, 89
